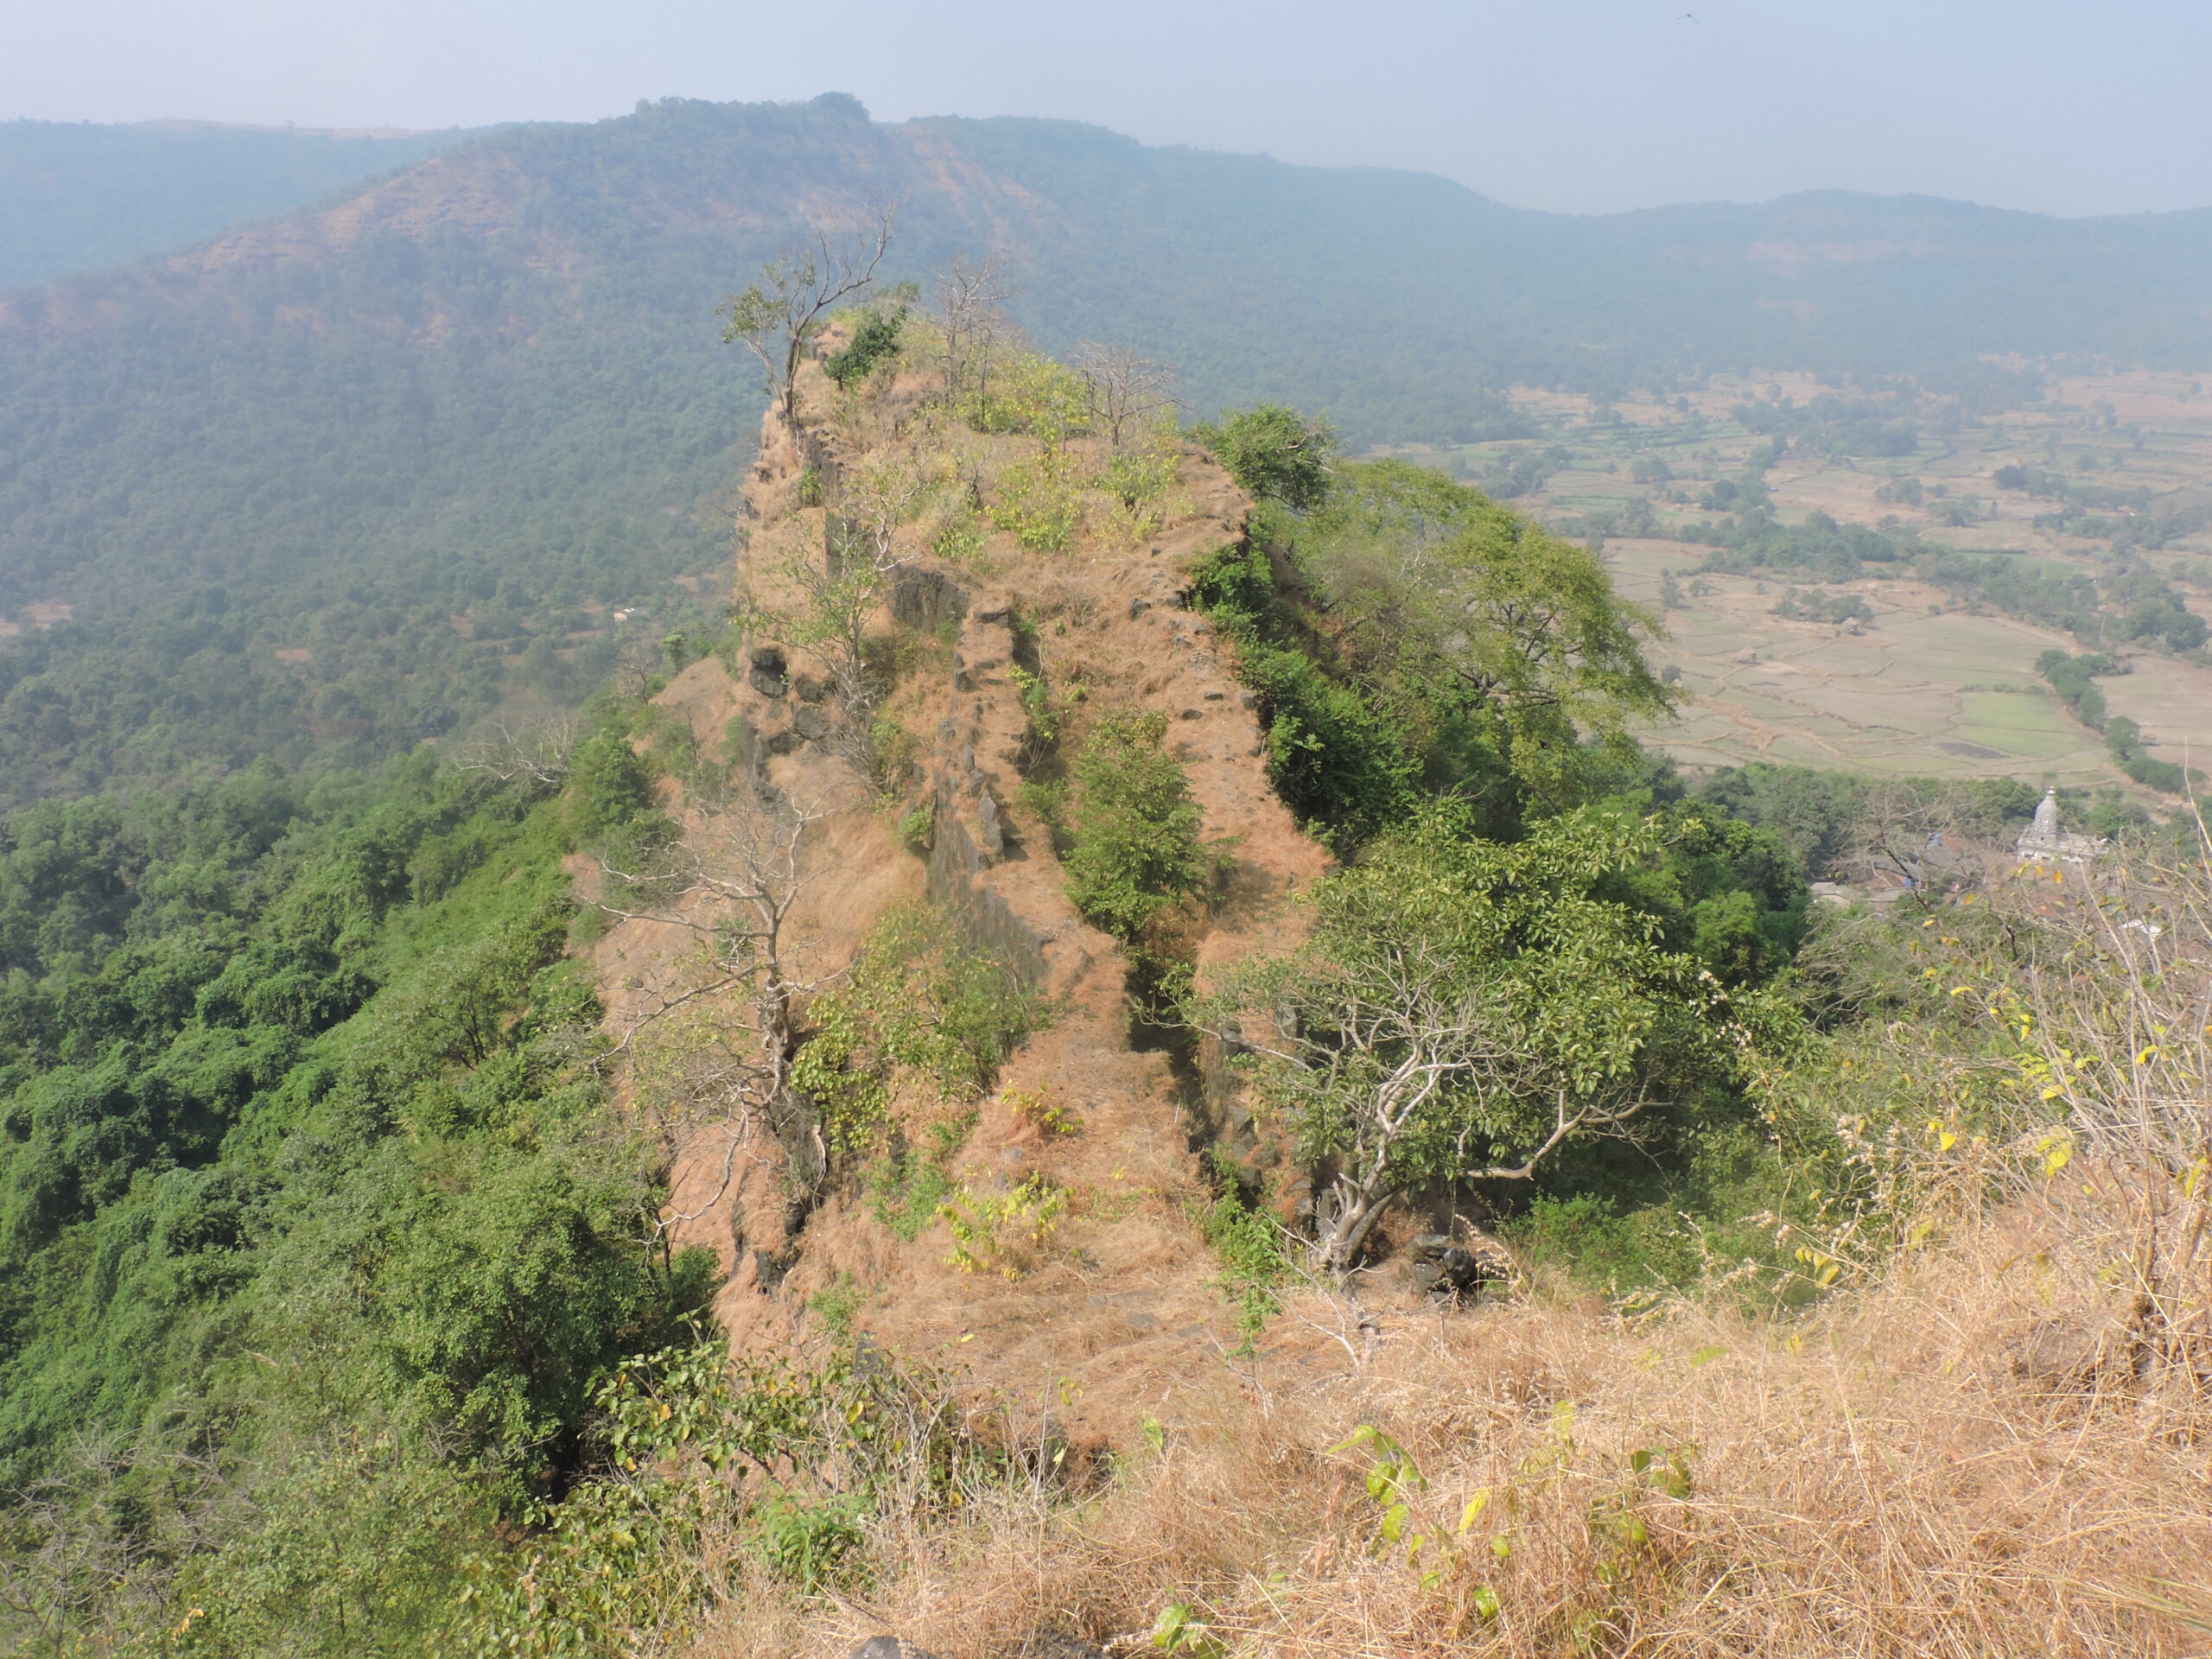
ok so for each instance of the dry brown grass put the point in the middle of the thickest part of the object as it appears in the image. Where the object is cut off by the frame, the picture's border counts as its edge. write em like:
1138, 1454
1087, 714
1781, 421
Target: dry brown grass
1979, 1455
1994, 1439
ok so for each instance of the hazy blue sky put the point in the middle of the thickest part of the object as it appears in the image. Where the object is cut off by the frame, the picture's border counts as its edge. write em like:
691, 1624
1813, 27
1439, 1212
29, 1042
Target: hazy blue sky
1579, 105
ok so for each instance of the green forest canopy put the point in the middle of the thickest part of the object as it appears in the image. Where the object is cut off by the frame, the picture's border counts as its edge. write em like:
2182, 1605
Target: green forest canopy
76, 196
512, 416
319, 1238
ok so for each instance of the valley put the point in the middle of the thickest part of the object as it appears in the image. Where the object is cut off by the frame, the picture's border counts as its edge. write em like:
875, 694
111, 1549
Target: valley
1930, 682
1084, 954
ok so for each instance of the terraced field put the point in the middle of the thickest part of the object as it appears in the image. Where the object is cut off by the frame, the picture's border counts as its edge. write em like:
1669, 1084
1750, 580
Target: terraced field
1928, 686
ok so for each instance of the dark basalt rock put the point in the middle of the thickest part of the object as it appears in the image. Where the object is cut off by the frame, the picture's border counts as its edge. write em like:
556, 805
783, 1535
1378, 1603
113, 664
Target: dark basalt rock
769, 672
1446, 1267
1055, 1644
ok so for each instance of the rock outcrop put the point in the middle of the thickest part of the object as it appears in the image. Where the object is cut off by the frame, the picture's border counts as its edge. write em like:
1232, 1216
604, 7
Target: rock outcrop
1120, 1313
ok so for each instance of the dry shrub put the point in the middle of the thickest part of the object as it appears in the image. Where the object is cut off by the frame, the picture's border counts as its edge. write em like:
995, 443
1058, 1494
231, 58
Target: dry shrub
1994, 1437
1977, 1456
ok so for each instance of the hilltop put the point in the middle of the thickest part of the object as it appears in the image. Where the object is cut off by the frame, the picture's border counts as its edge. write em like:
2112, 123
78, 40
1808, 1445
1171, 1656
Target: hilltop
77, 196
1131, 1050
358, 476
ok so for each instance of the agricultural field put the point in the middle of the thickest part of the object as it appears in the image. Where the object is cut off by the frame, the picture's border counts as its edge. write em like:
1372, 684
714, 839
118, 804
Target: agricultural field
2103, 476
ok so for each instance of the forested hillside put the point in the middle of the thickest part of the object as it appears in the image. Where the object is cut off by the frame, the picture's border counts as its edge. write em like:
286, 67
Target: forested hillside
76, 196
351, 479
1135, 1056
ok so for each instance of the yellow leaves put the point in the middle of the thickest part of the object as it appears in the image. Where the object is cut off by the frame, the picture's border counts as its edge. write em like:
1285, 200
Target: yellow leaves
1705, 1356
1476, 1505
2057, 1151
2146, 1056
1826, 1268
2193, 1177
2052, 1094
1945, 1139
996, 1234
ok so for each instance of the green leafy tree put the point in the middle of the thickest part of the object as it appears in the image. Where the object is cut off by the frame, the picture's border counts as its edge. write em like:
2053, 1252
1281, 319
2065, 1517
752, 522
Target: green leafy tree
1135, 827
1465, 1010
777, 317
874, 340
1275, 453
1510, 642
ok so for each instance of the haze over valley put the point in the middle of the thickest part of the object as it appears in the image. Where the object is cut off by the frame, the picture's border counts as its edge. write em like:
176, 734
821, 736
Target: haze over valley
778, 885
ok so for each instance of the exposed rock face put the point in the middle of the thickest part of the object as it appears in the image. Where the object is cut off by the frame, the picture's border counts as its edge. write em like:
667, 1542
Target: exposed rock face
1440, 1265
2084, 1349
1122, 1304
890, 1647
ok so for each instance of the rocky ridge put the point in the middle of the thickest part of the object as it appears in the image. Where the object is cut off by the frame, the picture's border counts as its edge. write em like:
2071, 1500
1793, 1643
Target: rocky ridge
1120, 1314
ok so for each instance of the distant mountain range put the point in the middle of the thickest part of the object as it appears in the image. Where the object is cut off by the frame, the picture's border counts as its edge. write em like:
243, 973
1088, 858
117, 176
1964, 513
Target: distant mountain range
74, 196
498, 369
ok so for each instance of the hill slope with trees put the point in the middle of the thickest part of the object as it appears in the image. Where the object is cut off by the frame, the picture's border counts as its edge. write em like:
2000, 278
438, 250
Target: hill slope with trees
76, 196
339, 482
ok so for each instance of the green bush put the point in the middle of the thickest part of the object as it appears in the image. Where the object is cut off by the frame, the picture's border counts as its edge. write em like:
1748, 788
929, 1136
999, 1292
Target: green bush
1249, 1244
1134, 826
1340, 763
918, 997
875, 341
1041, 500
1274, 453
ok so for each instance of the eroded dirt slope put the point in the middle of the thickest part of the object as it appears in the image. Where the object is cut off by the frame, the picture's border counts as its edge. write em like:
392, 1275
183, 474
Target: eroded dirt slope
1117, 1312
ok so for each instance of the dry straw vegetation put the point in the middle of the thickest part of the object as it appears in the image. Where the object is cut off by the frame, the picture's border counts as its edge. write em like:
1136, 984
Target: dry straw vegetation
1863, 1295
1950, 1395
1971, 1415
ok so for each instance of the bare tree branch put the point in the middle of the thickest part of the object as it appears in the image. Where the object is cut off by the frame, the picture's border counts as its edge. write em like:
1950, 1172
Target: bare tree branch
970, 322
733, 883
538, 751
776, 317
1129, 392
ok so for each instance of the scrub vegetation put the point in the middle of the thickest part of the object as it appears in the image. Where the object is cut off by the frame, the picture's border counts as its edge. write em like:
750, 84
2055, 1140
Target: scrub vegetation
1834, 1276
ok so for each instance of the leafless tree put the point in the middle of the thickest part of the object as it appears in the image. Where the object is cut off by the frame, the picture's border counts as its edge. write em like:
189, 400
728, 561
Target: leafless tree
1912, 832
70, 1563
776, 316
733, 883
1128, 391
538, 750
968, 316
